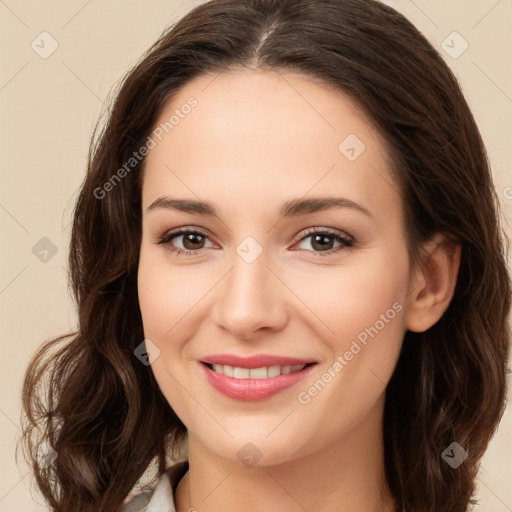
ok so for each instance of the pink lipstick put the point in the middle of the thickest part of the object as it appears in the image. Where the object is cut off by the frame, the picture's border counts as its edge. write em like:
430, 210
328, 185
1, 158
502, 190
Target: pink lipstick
256, 377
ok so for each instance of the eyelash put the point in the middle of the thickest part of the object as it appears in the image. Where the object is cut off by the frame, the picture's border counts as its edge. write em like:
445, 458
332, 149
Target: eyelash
345, 241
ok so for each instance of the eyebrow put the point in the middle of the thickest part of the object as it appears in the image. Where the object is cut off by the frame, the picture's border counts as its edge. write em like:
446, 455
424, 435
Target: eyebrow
293, 208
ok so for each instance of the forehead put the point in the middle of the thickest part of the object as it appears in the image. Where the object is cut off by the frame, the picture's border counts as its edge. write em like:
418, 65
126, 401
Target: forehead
267, 134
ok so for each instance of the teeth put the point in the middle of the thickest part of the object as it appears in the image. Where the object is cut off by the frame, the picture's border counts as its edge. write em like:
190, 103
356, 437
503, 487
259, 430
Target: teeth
241, 373
274, 371
256, 373
226, 370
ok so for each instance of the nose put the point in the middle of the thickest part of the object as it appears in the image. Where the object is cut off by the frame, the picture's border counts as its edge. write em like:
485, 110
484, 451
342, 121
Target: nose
251, 300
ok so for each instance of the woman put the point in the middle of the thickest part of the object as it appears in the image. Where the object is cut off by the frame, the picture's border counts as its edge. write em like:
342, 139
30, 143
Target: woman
340, 344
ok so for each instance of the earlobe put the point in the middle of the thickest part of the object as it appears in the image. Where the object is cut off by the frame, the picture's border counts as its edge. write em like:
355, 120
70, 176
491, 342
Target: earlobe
433, 283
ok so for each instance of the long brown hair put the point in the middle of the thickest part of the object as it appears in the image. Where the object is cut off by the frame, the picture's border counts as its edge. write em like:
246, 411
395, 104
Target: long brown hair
91, 400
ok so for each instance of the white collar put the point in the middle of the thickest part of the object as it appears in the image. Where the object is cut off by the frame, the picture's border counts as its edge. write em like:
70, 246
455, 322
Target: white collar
162, 499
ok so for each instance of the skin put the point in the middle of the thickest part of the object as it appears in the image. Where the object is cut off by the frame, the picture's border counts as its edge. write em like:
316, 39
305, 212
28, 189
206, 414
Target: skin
255, 140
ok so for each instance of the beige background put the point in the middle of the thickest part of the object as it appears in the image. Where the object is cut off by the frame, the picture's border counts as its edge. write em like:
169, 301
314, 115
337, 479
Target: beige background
49, 107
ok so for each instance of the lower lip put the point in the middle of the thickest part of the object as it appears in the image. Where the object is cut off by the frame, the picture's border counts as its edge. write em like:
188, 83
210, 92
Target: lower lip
252, 390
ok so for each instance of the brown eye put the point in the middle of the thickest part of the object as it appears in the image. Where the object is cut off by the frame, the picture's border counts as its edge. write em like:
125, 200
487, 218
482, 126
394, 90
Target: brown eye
192, 242
323, 242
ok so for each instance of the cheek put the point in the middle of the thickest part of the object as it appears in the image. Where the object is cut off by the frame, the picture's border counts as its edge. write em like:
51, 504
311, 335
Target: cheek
361, 310
365, 315
347, 300
153, 300
167, 295
164, 299
371, 301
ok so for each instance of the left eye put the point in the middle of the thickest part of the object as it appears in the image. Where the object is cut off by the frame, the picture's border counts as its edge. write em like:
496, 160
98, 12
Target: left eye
323, 241
194, 241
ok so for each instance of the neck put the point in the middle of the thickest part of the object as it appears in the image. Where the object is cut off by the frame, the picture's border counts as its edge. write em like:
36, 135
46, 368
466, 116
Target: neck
345, 475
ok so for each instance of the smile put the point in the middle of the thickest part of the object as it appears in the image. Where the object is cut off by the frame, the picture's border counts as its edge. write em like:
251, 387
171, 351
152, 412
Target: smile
253, 378
256, 373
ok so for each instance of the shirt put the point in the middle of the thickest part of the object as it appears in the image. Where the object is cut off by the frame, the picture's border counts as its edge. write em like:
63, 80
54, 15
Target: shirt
161, 497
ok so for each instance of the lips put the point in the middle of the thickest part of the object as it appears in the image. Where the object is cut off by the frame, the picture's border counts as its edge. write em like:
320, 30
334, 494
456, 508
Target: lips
253, 378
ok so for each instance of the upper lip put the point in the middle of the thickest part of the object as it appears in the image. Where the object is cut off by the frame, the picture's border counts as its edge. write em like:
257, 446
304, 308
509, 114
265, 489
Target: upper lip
254, 361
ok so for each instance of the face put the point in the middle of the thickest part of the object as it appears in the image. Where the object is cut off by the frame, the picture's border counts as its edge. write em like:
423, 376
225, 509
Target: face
274, 273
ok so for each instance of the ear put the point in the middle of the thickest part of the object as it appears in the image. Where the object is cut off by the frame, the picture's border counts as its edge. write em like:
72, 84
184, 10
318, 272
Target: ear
432, 283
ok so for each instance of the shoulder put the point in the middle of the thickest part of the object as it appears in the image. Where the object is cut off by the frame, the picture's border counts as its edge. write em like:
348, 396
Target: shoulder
160, 498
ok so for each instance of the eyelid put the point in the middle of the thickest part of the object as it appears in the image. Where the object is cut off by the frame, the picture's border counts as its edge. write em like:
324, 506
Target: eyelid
322, 230
184, 230
303, 234
345, 240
